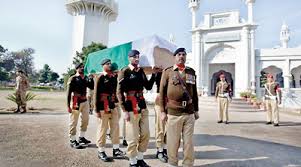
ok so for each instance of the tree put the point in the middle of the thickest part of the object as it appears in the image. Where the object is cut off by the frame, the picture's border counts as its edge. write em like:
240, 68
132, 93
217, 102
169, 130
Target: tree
53, 77
44, 74
24, 60
4, 76
81, 57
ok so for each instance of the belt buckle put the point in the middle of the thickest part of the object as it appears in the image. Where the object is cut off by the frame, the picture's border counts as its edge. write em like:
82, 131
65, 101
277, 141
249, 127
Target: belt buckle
184, 103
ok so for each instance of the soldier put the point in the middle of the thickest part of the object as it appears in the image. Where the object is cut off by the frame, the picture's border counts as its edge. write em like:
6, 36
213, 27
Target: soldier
160, 125
131, 81
223, 94
179, 99
76, 90
106, 111
22, 85
272, 95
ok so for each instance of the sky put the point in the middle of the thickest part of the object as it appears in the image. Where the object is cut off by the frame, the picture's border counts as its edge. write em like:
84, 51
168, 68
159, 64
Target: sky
47, 27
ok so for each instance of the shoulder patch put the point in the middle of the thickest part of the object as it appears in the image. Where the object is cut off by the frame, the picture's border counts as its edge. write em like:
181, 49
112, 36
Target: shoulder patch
168, 68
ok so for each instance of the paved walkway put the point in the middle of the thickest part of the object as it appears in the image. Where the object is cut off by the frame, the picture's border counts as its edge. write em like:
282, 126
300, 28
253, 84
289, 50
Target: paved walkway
42, 140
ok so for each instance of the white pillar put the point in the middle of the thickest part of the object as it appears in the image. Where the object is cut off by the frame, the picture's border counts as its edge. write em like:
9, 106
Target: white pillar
253, 63
198, 58
286, 74
242, 65
250, 12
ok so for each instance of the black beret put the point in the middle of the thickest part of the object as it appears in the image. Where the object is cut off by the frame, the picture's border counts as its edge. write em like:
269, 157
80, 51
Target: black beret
104, 61
179, 50
78, 65
133, 53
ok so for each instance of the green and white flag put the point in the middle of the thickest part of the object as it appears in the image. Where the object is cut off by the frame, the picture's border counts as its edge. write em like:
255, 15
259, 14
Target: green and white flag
154, 51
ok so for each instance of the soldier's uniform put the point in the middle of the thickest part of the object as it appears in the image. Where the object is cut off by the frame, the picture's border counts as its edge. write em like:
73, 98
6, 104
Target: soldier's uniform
223, 93
91, 101
272, 96
105, 99
22, 85
160, 125
76, 90
131, 82
180, 106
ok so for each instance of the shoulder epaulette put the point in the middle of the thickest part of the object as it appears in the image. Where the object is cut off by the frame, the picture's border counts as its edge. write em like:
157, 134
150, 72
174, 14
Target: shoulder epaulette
168, 68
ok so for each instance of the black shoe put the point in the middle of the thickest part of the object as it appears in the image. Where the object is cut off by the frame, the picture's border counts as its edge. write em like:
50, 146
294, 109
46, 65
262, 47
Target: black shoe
117, 153
17, 110
276, 124
108, 136
268, 123
165, 152
219, 122
141, 163
75, 144
103, 156
83, 141
226, 122
161, 156
134, 165
124, 143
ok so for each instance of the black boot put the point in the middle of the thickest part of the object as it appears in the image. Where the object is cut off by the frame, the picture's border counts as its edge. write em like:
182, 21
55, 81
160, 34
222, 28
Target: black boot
268, 123
165, 152
117, 153
23, 110
83, 141
142, 163
219, 122
161, 156
75, 144
17, 110
103, 156
124, 143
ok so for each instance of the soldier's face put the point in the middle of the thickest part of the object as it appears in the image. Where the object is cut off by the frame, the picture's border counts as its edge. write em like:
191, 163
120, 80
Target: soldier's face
222, 78
270, 79
107, 66
80, 70
180, 58
134, 60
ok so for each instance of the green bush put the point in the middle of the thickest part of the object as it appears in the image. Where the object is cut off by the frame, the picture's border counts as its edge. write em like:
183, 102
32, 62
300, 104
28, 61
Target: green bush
29, 96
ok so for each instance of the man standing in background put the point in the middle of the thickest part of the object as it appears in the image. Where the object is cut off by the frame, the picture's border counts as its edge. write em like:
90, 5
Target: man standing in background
22, 85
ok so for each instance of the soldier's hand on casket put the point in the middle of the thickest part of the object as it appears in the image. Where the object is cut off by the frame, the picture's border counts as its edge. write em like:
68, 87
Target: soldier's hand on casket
196, 115
69, 110
163, 116
127, 116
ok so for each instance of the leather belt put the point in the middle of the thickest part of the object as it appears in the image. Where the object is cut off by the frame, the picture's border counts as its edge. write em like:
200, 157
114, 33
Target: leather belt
179, 103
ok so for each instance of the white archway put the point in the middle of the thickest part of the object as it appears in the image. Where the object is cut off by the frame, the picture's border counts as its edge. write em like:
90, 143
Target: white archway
296, 77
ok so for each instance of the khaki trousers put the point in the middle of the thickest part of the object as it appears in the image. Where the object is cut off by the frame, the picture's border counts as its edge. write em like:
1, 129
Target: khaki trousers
84, 111
160, 128
123, 120
137, 133
177, 127
223, 104
21, 98
108, 119
272, 111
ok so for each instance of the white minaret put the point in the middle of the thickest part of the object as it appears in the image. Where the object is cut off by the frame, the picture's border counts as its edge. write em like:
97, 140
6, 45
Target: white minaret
194, 6
250, 4
91, 21
284, 35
